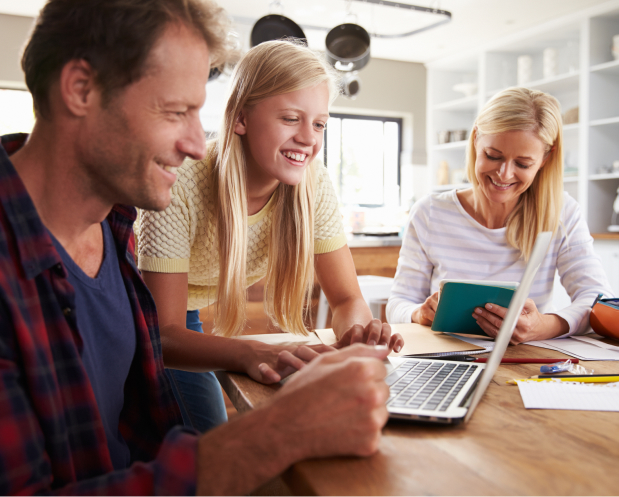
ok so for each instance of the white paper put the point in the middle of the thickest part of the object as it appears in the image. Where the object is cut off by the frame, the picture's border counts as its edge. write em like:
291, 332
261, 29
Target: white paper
578, 348
570, 396
488, 345
597, 343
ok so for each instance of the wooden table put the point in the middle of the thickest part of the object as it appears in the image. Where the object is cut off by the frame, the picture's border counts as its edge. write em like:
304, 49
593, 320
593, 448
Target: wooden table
504, 450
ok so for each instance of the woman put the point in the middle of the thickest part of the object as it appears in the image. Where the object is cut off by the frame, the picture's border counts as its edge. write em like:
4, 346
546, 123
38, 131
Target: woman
487, 232
259, 205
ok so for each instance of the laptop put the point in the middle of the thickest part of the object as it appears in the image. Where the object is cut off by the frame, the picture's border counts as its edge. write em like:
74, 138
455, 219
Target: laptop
447, 392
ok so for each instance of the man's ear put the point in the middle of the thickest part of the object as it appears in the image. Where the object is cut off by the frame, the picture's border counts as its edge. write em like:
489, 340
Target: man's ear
77, 87
240, 126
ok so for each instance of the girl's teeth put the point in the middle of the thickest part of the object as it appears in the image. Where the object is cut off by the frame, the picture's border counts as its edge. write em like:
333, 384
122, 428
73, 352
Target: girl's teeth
293, 156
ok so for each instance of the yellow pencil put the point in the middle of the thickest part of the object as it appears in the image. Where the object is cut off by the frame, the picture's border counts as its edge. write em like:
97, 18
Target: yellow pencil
593, 378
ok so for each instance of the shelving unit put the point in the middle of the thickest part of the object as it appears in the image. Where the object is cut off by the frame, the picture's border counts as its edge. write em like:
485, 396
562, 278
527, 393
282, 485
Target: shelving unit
587, 78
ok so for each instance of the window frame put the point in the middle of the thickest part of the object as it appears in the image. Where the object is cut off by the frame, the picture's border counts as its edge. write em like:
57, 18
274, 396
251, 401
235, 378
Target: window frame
365, 117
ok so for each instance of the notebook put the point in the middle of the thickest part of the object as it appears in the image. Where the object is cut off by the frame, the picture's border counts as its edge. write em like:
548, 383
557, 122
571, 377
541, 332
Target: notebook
418, 341
448, 392
458, 299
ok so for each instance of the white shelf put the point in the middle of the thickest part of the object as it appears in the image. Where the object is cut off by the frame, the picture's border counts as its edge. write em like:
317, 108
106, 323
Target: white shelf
607, 67
604, 122
571, 127
451, 145
466, 103
570, 179
444, 188
598, 177
557, 84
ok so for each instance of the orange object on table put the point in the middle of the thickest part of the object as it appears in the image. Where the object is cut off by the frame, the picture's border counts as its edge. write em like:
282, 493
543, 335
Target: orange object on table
604, 317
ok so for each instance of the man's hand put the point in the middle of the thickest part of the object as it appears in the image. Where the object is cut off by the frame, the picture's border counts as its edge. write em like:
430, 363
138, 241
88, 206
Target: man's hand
375, 333
334, 406
531, 325
424, 314
271, 363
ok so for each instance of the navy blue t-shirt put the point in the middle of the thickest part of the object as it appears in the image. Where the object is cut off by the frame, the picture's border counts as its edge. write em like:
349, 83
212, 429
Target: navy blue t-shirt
105, 322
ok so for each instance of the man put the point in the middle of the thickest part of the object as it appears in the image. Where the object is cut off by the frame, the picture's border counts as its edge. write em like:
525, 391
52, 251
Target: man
84, 404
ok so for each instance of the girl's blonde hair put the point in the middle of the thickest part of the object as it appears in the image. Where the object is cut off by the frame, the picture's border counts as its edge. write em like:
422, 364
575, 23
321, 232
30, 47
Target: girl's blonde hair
539, 207
269, 69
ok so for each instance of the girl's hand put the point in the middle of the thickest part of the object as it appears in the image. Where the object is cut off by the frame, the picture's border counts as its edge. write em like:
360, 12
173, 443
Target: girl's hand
375, 333
271, 363
531, 325
425, 313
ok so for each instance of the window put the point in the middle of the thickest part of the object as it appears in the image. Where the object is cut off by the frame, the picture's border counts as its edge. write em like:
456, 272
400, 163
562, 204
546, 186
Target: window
362, 155
16, 112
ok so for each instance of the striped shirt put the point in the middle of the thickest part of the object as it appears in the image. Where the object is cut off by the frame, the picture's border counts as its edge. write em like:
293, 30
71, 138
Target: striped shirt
443, 241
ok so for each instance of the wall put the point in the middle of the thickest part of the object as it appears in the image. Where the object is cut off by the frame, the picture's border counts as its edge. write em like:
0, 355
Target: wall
13, 33
398, 87
388, 87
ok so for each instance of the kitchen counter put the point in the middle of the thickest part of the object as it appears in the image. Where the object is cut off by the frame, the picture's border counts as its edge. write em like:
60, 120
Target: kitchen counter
359, 241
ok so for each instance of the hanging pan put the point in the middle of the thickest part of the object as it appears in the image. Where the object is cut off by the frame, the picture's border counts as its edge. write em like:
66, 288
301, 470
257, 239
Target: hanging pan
348, 47
275, 27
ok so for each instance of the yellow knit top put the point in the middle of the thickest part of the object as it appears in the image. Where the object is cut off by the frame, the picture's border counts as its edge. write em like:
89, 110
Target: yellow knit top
183, 238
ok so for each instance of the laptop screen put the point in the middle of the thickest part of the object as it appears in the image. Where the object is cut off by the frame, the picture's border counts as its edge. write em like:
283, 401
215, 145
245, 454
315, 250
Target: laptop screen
509, 323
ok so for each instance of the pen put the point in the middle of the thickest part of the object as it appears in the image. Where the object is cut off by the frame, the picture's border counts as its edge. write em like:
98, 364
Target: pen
591, 378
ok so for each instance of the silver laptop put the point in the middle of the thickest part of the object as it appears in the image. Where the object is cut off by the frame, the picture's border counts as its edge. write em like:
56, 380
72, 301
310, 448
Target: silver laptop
439, 391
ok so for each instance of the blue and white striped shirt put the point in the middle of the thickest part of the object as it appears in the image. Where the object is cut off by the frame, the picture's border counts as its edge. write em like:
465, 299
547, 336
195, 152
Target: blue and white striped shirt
442, 241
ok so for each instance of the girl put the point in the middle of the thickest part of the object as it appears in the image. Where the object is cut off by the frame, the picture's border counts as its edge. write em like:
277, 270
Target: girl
259, 205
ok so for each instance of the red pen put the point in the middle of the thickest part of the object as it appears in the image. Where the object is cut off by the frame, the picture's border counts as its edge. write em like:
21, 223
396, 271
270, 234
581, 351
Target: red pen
518, 360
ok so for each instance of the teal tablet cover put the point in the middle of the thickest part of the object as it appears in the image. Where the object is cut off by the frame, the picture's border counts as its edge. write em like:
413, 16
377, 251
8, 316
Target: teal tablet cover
457, 304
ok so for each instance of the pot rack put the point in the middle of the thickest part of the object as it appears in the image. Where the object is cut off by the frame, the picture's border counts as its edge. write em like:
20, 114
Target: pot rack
444, 14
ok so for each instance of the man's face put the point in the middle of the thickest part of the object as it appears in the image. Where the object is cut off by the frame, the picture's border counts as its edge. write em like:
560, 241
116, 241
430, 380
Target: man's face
132, 146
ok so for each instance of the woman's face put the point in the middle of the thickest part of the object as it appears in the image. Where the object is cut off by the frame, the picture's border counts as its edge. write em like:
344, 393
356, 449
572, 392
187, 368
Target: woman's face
507, 163
282, 134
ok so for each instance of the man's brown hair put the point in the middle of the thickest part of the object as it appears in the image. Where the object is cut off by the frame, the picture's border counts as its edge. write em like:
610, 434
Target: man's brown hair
114, 36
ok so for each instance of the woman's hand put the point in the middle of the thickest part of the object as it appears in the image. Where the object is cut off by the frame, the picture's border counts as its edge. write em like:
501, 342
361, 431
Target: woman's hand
271, 363
425, 313
531, 325
375, 333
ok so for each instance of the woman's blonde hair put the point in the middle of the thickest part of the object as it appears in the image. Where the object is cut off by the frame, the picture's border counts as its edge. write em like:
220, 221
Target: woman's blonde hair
539, 207
269, 69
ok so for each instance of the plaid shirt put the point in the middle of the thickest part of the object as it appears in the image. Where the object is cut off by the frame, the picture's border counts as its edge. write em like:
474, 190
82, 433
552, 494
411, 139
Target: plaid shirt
51, 435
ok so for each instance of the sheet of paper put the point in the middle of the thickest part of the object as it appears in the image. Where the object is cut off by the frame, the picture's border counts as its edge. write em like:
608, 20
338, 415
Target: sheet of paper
418, 340
577, 348
283, 339
571, 396
597, 343
488, 345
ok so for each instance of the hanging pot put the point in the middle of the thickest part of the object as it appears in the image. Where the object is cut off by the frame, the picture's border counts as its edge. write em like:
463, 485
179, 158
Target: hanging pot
275, 27
348, 47
214, 73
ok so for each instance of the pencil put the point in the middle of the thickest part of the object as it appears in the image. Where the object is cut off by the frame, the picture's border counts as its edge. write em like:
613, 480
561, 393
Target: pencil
521, 360
592, 378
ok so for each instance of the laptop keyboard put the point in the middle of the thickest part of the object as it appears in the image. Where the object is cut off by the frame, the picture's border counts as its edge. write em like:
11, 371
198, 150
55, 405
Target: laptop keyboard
427, 385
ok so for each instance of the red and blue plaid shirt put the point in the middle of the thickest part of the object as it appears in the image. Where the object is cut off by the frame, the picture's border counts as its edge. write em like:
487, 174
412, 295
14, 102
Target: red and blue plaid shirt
51, 435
